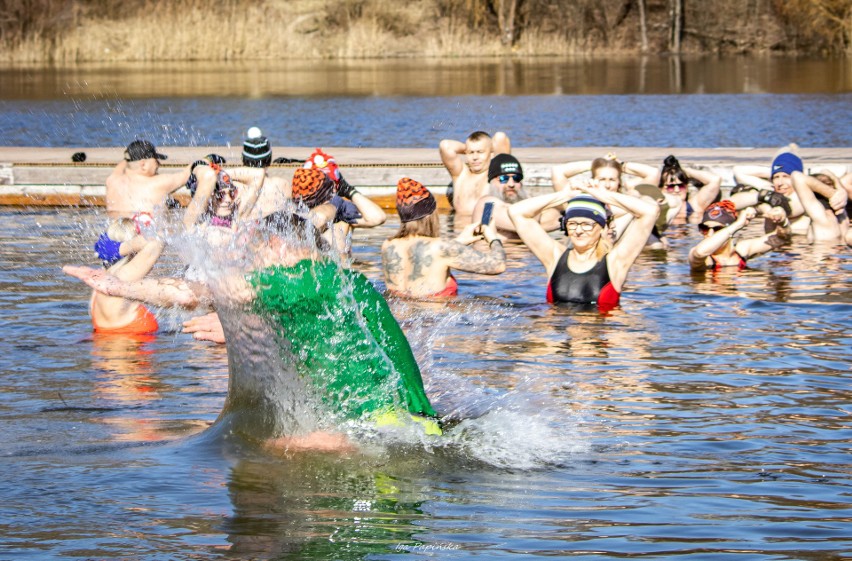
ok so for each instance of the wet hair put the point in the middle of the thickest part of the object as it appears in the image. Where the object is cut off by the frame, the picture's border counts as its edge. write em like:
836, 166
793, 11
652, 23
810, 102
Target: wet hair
599, 163
672, 170
478, 135
289, 224
121, 230
428, 226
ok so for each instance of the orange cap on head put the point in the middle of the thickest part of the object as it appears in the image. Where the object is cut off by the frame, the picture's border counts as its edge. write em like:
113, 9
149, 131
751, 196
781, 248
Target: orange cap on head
413, 200
722, 213
312, 187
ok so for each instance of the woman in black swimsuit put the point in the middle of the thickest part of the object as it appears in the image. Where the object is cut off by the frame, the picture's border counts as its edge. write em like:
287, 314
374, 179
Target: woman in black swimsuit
593, 270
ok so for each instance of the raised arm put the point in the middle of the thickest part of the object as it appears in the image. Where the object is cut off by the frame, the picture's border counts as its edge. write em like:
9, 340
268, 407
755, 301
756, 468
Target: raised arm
805, 187
756, 176
501, 144
646, 173
772, 241
523, 215
708, 193
635, 236
165, 184
711, 244
562, 173
371, 214
206, 178
251, 180
451, 155
142, 263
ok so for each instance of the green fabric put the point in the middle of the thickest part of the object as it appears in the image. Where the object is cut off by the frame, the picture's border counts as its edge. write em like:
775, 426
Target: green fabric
351, 347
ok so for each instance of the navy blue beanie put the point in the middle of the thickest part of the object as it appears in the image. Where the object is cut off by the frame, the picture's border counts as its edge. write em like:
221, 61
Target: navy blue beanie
585, 206
786, 162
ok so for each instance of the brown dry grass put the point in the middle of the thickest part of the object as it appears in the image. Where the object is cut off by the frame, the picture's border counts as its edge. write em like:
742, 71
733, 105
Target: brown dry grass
66, 31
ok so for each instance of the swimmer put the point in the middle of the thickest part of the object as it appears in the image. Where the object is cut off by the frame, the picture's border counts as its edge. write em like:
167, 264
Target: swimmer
275, 192
222, 196
825, 224
674, 180
468, 163
759, 183
417, 263
135, 187
370, 372
355, 210
129, 258
593, 270
506, 187
720, 223
606, 172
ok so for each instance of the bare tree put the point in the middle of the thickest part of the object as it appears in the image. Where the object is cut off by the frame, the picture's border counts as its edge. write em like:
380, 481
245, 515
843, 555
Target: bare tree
676, 22
506, 10
643, 26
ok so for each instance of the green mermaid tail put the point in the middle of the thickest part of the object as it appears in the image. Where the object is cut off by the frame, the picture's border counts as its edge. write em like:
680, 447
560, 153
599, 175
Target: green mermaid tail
352, 348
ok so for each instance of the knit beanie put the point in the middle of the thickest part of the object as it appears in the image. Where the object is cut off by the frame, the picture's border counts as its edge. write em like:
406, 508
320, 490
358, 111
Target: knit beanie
413, 200
786, 162
312, 187
257, 152
504, 164
585, 206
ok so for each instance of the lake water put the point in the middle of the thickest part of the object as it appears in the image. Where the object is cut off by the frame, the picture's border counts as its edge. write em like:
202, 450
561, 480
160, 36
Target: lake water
654, 101
707, 418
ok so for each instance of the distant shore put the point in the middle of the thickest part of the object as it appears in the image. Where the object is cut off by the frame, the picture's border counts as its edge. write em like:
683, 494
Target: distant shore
48, 177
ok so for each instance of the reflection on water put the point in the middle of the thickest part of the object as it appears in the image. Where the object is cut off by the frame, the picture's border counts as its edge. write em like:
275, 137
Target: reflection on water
708, 417
720, 102
434, 78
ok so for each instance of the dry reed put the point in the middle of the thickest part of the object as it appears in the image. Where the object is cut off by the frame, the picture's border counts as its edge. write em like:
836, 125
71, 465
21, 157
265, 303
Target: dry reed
64, 32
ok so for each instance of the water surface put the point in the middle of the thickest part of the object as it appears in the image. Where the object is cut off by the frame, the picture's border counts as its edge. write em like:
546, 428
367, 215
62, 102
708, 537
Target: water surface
652, 101
708, 417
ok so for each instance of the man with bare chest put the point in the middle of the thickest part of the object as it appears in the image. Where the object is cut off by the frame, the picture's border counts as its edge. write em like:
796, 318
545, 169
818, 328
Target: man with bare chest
135, 187
468, 166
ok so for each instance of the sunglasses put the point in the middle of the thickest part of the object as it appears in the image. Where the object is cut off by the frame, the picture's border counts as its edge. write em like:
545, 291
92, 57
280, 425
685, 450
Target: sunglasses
704, 229
230, 191
584, 226
514, 177
671, 187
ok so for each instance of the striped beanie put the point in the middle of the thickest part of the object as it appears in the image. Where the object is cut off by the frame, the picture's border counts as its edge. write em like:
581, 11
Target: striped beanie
257, 152
585, 206
413, 200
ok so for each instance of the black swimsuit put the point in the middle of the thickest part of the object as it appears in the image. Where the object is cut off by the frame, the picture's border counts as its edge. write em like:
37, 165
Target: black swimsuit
590, 287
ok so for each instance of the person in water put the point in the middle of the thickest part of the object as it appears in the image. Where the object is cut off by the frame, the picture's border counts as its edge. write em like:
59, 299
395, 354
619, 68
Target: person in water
135, 187
758, 185
354, 209
128, 257
468, 163
720, 223
608, 173
334, 328
417, 263
674, 181
593, 270
825, 223
506, 187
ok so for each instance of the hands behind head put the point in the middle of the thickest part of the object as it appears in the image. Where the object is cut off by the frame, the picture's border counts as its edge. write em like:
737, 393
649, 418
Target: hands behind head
838, 200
